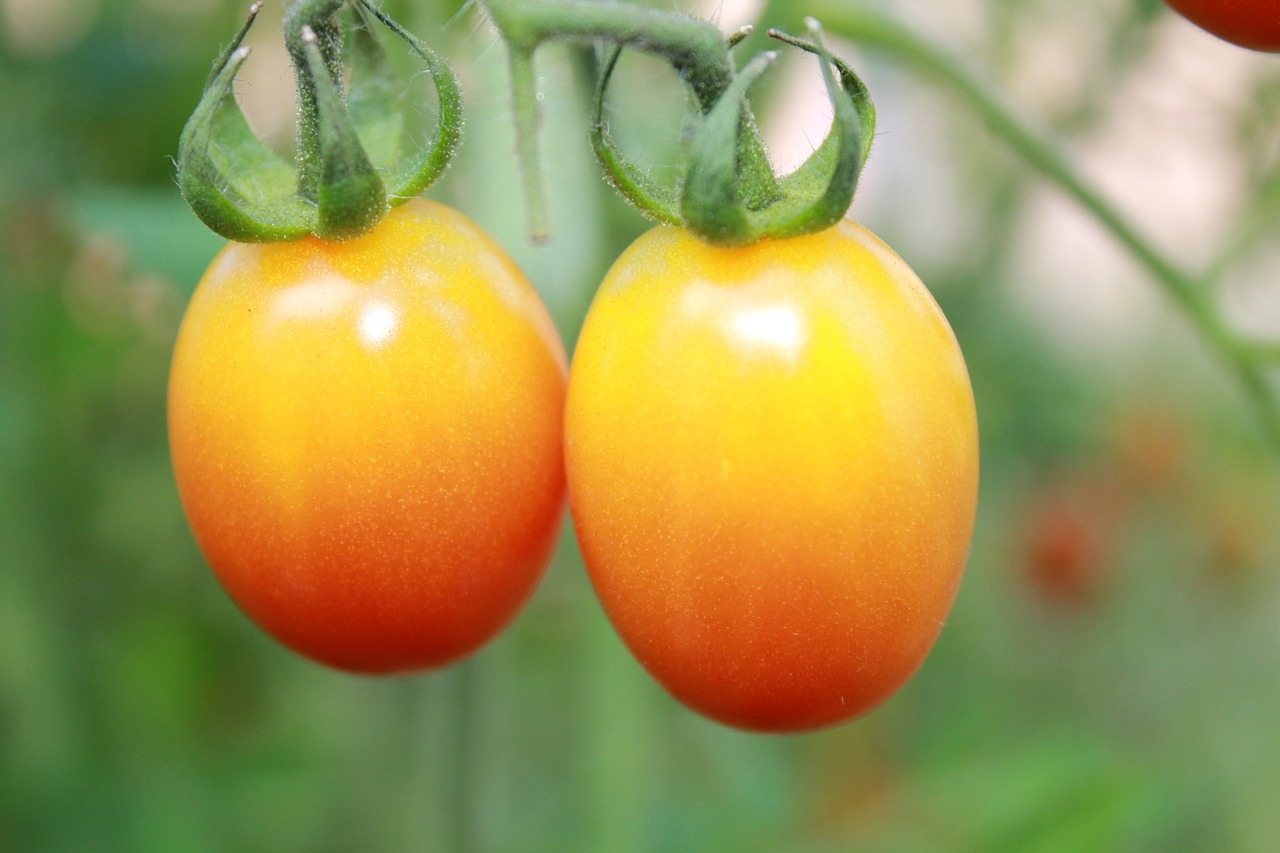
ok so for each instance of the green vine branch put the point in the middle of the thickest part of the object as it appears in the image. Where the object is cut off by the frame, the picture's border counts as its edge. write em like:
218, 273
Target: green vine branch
1246, 361
1266, 351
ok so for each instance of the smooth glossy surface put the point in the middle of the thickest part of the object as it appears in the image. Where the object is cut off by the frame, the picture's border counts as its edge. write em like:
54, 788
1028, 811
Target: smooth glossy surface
1254, 24
772, 461
367, 438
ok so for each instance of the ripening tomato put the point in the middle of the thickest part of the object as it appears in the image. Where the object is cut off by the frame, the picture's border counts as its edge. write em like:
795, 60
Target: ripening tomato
367, 436
1254, 24
772, 462
1066, 545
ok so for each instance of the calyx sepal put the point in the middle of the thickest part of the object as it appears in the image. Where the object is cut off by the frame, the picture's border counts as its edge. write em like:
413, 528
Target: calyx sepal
717, 198
350, 166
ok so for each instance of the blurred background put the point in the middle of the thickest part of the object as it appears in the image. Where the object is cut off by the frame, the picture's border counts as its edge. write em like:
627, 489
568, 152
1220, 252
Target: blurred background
1108, 679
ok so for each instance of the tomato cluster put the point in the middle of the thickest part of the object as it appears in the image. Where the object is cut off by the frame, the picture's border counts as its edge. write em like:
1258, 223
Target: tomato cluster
771, 455
767, 440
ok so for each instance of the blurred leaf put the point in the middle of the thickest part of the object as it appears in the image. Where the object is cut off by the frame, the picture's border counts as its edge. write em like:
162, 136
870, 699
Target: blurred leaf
159, 232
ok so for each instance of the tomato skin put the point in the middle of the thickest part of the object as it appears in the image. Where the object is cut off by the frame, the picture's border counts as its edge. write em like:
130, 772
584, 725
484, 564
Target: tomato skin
366, 437
1254, 24
772, 465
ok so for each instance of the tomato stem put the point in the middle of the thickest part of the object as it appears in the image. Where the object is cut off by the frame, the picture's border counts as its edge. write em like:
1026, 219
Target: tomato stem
525, 99
730, 194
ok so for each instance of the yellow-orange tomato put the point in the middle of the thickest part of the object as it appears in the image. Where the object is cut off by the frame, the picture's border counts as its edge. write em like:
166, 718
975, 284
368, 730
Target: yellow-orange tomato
772, 464
366, 437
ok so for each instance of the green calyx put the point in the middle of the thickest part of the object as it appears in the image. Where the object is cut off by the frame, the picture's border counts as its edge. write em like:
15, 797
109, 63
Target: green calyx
723, 201
729, 194
351, 163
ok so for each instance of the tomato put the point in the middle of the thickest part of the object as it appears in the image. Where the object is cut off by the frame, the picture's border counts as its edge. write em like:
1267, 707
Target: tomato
1066, 551
366, 437
772, 464
1253, 24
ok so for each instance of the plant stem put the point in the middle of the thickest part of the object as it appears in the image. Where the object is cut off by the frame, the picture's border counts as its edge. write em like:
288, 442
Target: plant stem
524, 98
873, 28
695, 48
1266, 351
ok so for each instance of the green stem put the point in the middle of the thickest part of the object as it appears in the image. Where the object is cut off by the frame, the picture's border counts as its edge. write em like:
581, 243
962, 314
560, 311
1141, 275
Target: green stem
873, 28
1257, 221
524, 96
698, 52
1266, 351
695, 48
